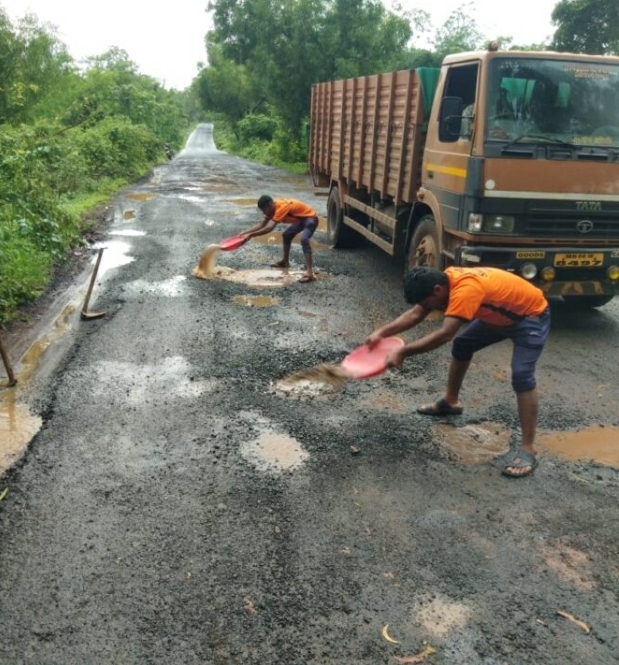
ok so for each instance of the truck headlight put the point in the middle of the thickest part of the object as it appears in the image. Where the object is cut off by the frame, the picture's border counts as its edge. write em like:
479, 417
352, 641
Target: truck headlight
491, 223
498, 223
528, 270
475, 222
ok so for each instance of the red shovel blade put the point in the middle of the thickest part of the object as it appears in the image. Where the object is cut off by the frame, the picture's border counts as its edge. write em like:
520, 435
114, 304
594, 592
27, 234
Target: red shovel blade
232, 243
364, 363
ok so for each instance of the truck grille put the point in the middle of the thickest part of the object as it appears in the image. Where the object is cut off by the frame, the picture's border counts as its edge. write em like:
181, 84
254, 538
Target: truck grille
545, 226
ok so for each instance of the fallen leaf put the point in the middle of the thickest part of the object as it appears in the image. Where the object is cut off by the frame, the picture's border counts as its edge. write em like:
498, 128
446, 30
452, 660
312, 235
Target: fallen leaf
419, 658
4, 492
571, 617
248, 606
385, 633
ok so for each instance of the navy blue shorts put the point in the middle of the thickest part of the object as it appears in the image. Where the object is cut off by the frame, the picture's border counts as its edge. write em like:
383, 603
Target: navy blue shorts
306, 227
528, 336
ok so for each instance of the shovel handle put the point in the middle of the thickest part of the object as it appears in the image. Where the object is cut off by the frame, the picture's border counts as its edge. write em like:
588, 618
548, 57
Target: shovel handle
7, 365
92, 281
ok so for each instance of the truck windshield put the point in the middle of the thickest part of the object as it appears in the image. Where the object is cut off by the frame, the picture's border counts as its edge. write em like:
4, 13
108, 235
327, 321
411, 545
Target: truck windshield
535, 100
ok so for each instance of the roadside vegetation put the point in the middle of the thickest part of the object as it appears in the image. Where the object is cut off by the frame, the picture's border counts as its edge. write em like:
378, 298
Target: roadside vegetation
72, 134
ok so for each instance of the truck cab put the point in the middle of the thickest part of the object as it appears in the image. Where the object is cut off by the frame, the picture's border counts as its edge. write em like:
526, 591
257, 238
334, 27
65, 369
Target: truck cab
521, 169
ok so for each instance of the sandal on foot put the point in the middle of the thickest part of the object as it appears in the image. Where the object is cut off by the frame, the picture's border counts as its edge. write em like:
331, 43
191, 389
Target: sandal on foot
307, 278
519, 459
280, 264
439, 408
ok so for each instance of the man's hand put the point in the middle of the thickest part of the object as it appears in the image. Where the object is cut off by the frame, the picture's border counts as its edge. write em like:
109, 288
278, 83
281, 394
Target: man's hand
395, 358
373, 340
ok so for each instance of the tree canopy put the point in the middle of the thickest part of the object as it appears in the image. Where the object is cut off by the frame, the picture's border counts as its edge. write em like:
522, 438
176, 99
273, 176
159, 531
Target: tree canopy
587, 26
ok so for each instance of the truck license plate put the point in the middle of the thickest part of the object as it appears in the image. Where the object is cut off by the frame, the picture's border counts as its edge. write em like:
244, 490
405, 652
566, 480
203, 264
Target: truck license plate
580, 260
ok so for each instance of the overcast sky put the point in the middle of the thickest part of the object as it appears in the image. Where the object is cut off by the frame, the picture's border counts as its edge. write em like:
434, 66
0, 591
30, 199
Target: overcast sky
165, 38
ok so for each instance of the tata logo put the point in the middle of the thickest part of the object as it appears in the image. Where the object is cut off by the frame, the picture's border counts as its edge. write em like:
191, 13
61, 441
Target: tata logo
588, 205
584, 226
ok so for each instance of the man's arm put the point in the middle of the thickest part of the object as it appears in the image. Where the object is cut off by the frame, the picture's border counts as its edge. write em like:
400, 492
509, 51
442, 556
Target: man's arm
259, 229
409, 319
428, 342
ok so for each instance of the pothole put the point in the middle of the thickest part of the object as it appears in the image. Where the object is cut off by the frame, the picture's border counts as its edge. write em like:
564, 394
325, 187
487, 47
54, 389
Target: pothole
274, 453
472, 444
592, 444
314, 381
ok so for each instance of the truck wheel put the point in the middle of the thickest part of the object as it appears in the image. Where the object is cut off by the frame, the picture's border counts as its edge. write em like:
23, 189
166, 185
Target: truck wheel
423, 250
339, 235
587, 302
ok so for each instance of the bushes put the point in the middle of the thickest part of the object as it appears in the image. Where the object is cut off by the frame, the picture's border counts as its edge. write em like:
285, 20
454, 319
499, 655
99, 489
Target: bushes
117, 148
35, 231
24, 271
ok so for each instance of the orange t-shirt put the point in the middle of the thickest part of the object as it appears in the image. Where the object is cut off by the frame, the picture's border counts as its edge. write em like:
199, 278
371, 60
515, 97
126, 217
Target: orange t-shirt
492, 295
291, 208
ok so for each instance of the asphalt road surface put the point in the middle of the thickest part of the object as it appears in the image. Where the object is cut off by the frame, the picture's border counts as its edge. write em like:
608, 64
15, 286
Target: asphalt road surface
180, 504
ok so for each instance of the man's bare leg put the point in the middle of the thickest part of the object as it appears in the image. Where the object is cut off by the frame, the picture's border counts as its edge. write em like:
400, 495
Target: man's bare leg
309, 268
285, 262
527, 412
450, 403
455, 377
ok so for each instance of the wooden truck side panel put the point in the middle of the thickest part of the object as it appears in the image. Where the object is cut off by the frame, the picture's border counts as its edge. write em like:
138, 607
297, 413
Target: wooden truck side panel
367, 132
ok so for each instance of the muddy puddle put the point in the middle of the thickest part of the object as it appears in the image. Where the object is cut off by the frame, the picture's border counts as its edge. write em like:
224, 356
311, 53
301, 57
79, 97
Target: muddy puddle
482, 442
273, 452
17, 427
207, 268
592, 444
255, 301
140, 196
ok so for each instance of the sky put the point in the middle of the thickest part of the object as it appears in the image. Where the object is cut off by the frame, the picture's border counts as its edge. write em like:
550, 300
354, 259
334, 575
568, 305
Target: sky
165, 38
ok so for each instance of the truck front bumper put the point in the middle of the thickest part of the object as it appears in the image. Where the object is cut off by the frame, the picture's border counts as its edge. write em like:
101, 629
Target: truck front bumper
557, 271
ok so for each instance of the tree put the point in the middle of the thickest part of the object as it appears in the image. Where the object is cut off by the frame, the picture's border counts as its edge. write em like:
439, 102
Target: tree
458, 34
34, 66
586, 26
287, 45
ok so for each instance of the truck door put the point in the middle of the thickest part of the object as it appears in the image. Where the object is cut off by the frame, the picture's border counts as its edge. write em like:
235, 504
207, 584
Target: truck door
450, 140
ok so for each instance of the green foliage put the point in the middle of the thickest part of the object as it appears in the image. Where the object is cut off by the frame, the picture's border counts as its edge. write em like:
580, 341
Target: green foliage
66, 138
587, 26
274, 50
117, 148
24, 270
256, 126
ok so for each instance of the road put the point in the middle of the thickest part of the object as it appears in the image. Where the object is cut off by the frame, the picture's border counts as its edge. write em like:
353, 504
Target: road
180, 504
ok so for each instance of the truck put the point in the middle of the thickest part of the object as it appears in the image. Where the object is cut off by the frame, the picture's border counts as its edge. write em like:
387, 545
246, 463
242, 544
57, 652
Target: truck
507, 159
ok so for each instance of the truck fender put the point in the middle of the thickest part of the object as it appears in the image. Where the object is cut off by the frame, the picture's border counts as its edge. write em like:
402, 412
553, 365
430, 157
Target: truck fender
424, 234
429, 200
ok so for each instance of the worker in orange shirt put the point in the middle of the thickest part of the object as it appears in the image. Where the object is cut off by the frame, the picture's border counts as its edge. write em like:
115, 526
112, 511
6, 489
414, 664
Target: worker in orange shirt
496, 305
299, 217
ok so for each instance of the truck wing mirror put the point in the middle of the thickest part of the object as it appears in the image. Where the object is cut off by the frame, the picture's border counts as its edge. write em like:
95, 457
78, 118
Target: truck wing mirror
451, 119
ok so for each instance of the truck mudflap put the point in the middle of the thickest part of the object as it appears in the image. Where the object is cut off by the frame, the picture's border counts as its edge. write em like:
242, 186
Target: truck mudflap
557, 271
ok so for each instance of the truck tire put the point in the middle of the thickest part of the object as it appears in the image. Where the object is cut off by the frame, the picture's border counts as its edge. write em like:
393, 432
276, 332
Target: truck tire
587, 302
339, 235
424, 247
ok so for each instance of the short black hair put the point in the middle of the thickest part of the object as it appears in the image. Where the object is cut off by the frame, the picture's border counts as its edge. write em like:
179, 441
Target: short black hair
419, 283
264, 201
